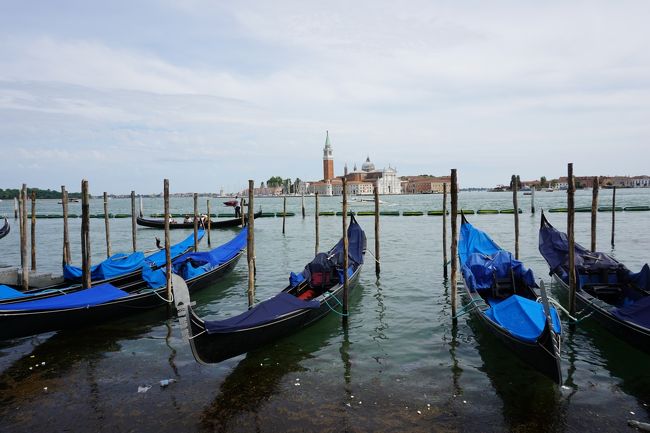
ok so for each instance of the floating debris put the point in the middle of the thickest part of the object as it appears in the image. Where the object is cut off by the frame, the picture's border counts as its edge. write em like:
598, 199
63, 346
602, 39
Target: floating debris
143, 389
165, 382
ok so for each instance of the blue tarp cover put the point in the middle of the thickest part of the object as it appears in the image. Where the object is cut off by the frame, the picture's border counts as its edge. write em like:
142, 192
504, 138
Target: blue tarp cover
638, 312
522, 317
260, 314
481, 258
356, 245
121, 264
83, 298
7, 292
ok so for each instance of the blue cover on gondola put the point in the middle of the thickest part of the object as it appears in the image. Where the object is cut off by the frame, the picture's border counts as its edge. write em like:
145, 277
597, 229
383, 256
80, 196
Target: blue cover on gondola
638, 312
191, 265
356, 245
121, 264
7, 292
262, 313
522, 317
83, 298
473, 241
642, 278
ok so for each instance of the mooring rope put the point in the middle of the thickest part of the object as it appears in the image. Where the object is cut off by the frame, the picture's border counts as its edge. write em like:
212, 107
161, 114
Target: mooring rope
373, 256
469, 307
559, 306
169, 301
331, 295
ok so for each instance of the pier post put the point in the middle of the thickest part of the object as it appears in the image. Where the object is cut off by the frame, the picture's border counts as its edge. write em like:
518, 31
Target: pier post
33, 236
141, 212
445, 260
168, 256
594, 210
316, 215
303, 205
613, 213
196, 222
133, 221
209, 222
346, 288
515, 205
66, 233
107, 226
250, 245
242, 203
571, 236
284, 214
16, 208
23, 237
454, 242
85, 236
532, 200
377, 260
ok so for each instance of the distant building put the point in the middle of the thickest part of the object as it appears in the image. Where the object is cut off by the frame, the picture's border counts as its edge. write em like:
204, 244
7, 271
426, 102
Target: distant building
425, 184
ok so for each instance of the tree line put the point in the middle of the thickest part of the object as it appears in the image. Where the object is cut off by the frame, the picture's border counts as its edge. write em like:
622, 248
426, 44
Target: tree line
10, 193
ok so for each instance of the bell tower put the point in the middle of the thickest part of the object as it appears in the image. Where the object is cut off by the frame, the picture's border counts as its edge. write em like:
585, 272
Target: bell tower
328, 160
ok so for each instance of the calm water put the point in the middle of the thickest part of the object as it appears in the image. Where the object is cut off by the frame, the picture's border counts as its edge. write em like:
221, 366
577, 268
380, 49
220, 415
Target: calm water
399, 366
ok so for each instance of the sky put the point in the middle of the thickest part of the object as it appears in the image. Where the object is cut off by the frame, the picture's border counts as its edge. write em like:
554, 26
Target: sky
212, 93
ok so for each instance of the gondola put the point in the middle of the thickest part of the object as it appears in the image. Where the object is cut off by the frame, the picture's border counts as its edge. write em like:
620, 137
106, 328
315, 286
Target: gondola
105, 301
4, 230
501, 293
214, 224
310, 296
618, 298
118, 270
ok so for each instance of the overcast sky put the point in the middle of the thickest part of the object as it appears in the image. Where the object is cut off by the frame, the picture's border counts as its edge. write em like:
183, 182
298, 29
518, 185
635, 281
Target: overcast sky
210, 94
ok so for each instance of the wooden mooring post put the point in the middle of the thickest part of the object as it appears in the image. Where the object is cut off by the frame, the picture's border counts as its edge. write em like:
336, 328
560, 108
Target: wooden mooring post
303, 205
377, 260
571, 236
515, 205
284, 214
454, 242
250, 246
168, 256
445, 260
16, 208
85, 235
594, 211
196, 222
133, 221
316, 215
23, 237
66, 234
613, 213
107, 226
209, 222
33, 234
532, 200
242, 203
346, 288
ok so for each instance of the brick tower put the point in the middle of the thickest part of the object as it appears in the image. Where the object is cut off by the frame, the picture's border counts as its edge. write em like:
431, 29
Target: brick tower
328, 161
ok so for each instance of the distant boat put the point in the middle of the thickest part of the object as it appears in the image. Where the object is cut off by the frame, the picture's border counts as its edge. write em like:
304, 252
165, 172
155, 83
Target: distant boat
362, 201
70, 200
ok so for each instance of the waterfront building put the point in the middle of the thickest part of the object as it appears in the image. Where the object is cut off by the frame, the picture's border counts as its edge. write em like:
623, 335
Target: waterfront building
425, 184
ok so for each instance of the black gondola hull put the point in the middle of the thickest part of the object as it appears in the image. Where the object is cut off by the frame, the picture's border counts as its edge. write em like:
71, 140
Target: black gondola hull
213, 348
160, 224
15, 324
5, 229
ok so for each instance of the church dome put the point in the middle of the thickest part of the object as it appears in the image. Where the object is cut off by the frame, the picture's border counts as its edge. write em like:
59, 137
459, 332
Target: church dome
368, 166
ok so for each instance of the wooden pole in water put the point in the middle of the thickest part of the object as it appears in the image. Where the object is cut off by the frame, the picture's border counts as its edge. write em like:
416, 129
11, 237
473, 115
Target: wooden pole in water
303, 205
242, 203
209, 222
532, 200
594, 210
85, 237
33, 236
250, 246
454, 243
444, 231
515, 205
196, 222
613, 213
346, 288
133, 221
23, 238
284, 214
168, 256
377, 264
570, 235
66, 233
316, 215
16, 208
107, 226
141, 213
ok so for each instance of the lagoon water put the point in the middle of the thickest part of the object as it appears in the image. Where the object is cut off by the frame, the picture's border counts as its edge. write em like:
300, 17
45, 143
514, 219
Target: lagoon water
399, 366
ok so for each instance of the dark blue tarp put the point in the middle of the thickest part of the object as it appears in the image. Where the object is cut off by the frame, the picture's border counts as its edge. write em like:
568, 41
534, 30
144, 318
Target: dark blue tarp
7, 292
522, 317
356, 245
638, 312
481, 258
262, 313
642, 278
83, 298
121, 264
191, 265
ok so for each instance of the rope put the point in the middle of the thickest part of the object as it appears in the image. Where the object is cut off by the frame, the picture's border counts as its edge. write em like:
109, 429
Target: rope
471, 305
194, 336
329, 295
169, 301
373, 256
559, 306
